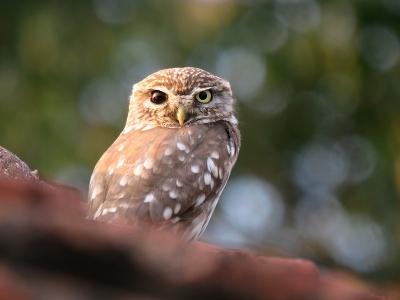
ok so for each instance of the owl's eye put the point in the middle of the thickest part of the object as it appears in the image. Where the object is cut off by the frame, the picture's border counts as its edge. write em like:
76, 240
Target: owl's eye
158, 97
204, 96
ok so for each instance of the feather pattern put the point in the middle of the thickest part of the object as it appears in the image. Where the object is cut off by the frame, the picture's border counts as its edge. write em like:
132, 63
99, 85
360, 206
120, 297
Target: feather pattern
168, 175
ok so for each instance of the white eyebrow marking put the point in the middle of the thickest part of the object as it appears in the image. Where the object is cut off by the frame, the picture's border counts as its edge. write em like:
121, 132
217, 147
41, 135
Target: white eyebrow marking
200, 89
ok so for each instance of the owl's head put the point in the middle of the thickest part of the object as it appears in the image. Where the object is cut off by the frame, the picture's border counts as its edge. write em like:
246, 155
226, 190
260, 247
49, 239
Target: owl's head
180, 97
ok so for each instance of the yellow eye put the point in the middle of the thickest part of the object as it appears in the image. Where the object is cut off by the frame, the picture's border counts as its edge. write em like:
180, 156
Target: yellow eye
204, 96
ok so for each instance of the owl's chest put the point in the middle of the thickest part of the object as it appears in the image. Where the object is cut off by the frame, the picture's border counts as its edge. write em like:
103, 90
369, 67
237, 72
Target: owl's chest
160, 151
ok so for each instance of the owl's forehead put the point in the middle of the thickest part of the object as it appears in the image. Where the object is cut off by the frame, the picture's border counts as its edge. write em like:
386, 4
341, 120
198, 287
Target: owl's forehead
182, 80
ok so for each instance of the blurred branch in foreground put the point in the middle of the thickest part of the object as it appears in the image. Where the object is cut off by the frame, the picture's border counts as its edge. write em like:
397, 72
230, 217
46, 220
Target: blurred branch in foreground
49, 250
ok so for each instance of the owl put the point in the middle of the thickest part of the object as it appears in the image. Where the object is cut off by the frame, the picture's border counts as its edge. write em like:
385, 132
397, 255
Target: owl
169, 165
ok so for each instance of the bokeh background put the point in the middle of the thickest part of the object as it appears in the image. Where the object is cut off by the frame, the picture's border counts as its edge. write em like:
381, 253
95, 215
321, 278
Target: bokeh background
318, 90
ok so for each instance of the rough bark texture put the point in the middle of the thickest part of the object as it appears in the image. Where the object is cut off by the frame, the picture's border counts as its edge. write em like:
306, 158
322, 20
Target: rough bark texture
14, 169
48, 250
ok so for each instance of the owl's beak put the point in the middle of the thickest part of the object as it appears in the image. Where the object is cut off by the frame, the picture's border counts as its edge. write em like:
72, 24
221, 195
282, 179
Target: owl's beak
181, 114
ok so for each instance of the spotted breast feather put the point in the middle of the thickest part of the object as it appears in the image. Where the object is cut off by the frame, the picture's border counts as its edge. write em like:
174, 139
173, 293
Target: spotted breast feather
165, 179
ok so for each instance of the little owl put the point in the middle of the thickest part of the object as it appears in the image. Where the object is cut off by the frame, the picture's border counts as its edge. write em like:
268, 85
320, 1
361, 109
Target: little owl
171, 162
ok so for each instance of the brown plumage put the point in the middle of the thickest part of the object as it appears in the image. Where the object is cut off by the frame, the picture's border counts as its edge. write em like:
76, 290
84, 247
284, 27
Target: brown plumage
173, 158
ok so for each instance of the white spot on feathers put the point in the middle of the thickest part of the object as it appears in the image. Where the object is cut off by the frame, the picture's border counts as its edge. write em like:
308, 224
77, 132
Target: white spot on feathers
138, 126
195, 169
120, 195
212, 184
97, 190
124, 205
165, 187
173, 194
148, 163
181, 146
120, 163
127, 129
178, 183
148, 127
109, 210
214, 155
231, 149
211, 167
110, 171
233, 120
120, 148
177, 208
175, 220
123, 181
149, 198
168, 151
167, 213
207, 178
200, 199
98, 213
138, 170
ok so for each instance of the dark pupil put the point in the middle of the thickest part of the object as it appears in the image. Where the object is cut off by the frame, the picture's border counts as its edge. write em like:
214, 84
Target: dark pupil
158, 97
203, 95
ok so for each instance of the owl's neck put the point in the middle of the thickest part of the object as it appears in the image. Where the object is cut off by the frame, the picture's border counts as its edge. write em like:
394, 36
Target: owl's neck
137, 124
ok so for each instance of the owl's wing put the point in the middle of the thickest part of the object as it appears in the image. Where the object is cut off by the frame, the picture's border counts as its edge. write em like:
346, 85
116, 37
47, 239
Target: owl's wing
170, 177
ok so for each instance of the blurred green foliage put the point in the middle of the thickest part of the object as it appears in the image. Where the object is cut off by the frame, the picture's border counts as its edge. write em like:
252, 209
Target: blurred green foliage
318, 89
